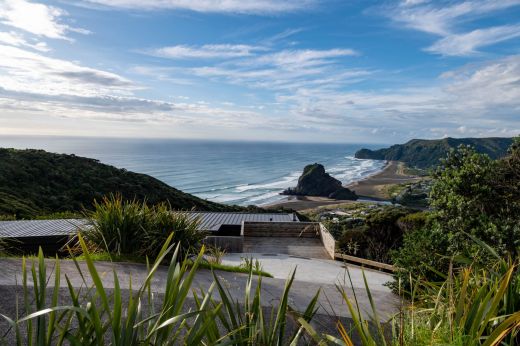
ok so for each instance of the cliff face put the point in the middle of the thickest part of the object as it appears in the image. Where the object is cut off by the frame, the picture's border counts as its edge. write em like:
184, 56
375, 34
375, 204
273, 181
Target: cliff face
422, 153
314, 181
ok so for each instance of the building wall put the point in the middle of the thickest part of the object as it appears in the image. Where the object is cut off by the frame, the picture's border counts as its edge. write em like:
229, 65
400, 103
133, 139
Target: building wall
281, 229
228, 243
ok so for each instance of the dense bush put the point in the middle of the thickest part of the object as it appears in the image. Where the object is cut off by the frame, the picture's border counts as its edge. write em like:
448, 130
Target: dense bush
132, 227
413, 221
372, 238
35, 182
383, 233
473, 197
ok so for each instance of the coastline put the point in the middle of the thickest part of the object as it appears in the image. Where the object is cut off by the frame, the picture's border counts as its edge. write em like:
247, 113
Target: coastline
370, 187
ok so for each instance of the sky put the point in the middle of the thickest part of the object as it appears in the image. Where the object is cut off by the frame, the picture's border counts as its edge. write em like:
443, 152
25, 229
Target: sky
355, 71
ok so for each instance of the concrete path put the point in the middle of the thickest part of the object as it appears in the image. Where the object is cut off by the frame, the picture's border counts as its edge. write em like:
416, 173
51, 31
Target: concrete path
314, 270
324, 275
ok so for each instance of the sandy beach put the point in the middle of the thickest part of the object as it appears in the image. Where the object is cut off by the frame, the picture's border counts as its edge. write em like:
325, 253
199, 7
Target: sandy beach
372, 187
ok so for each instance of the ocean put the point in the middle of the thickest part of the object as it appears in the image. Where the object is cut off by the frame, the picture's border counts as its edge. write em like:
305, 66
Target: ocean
240, 173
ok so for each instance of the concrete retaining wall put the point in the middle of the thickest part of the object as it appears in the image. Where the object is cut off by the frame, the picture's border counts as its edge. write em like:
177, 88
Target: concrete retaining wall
281, 229
328, 241
230, 244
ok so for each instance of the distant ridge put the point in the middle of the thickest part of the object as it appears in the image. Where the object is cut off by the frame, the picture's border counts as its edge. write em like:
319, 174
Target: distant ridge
424, 153
36, 182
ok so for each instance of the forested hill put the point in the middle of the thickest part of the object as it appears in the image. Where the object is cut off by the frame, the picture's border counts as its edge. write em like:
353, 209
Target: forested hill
422, 153
35, 182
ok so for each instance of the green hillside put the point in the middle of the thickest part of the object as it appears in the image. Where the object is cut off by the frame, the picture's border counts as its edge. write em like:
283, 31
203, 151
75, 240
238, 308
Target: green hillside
422, 153
35, 182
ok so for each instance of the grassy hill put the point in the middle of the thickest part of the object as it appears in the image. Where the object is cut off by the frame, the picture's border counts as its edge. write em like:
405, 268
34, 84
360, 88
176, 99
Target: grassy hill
422, 153
35, 182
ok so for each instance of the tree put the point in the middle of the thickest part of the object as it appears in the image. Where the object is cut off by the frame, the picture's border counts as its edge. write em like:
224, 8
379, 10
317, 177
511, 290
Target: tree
473, 194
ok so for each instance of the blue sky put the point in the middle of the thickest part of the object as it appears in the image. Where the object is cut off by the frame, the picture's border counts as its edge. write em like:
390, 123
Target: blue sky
307, 70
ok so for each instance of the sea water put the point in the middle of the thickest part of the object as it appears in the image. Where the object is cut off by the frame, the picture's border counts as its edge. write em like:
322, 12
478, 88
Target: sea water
240, 173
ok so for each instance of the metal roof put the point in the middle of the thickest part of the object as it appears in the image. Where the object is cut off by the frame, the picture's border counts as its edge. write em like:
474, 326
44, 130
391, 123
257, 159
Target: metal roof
40, 228
209, 221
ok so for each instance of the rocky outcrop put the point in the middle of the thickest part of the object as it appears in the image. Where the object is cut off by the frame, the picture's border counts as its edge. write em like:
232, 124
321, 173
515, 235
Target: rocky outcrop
316, 182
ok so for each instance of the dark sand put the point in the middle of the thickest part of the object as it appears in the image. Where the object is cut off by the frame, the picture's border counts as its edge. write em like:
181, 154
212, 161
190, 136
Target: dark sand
372, 187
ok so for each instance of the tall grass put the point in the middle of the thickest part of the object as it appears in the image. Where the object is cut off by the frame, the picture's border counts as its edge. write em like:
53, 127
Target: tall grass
95, 315
118, 226
473, 306
131, 227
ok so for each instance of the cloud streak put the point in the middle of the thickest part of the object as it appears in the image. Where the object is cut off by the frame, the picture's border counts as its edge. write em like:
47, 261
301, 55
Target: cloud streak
15, 39
208, 51
445, 19
261, 7
468, 43
36, 18
23, 70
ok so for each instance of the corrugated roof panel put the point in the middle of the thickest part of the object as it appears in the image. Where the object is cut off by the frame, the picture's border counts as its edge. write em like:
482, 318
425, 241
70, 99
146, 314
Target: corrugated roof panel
40, 228
209, 221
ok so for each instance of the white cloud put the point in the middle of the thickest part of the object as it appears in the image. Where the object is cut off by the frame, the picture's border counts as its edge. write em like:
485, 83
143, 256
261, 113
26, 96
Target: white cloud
467, 43
476, 100
303, 58
15, 39
36, 18
440, 18
208, 51
285, 70
26, 71
444, 19
493, 88
258, 67
33, 83
219, 6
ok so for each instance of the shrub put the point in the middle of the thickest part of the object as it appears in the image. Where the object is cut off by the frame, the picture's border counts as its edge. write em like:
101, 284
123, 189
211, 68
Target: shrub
132, 227
414, 221
118, 226
383, 234
162, 223
476, 195
350, 237
422, 255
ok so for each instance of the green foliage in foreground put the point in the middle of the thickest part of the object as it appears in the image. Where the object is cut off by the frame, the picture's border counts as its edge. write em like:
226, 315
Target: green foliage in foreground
471, 195
35, 182
132, 227
475, 306
94, 316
